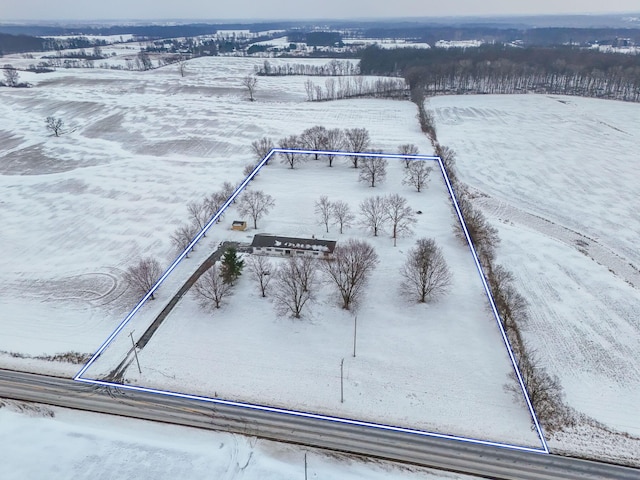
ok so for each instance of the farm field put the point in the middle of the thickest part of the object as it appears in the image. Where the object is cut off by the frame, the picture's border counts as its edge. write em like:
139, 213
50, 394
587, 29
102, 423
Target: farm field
79, 209
555, 174
558, 178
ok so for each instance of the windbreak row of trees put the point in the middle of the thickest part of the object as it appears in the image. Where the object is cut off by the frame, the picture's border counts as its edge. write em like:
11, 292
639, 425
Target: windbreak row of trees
350, 87
544, 389
499, 69
334, 68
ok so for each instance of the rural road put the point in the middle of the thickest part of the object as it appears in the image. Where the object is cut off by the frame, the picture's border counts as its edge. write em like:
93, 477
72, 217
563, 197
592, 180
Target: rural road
481, 460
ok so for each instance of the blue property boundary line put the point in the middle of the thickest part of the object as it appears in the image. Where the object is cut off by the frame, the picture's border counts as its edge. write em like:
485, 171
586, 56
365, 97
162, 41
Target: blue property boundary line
79, 376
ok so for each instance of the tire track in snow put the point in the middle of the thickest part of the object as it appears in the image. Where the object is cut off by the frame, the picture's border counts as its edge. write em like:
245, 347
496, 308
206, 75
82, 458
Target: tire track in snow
601, 254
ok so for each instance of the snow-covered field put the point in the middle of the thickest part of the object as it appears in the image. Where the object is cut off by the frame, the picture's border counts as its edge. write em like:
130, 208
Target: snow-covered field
74, 444
80, 208
558, 177
556, 174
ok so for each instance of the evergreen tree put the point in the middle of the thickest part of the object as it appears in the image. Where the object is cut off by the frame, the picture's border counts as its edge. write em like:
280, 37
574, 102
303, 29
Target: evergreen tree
231, 266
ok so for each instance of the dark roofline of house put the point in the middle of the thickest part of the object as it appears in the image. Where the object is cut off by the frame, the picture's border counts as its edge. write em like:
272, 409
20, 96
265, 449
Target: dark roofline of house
261, 240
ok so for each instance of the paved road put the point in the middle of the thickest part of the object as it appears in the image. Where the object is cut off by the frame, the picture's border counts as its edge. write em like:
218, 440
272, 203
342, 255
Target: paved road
491, 462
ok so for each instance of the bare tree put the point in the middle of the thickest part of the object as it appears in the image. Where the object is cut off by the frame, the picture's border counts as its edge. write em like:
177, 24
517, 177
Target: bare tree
334, 142
511, 305
199, 213
417, 174
373, 214
215, 203
183, 236
426, 275
314, 138
372, 170
293, 285
357, 140
227, 190
448, 157
144, 61
250, 82
261, 270
291, 158
55, 125
248, 169
309, 88
182, 65
262, 147
144, 275
11, 77
349, 269
484, 237
545, 392
342, 215
256, 204
399, 215
324, 210
211, 289
408, 149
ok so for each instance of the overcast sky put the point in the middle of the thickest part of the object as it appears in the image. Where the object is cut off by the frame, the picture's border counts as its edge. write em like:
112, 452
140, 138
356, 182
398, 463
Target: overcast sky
294, 9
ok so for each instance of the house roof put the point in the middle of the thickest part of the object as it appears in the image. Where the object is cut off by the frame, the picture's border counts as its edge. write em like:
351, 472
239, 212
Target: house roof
276, 241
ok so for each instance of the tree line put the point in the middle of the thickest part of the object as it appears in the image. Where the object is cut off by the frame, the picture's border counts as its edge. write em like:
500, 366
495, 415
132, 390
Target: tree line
352, 87
334, 68
499, 69
544, 389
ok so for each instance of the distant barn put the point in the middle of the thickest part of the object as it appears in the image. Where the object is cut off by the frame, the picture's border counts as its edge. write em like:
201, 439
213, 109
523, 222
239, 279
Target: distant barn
289, 246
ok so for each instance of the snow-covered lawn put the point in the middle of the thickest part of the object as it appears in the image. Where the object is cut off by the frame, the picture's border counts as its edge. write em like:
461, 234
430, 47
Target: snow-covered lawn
76, 444
437, 367
558, 177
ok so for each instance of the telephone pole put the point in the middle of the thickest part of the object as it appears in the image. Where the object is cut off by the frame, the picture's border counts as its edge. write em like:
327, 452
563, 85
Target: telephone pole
135, 352
342, 381
355, 332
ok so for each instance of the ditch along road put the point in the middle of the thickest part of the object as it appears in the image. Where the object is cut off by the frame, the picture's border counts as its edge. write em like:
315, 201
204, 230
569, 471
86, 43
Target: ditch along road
475, 459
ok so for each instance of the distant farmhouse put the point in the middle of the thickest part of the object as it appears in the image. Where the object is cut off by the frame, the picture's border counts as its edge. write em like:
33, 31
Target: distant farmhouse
289, 246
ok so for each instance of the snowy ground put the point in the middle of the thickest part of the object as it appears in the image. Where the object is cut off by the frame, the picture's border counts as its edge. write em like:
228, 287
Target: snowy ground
78, 209
74, 444
558, 177
438, 367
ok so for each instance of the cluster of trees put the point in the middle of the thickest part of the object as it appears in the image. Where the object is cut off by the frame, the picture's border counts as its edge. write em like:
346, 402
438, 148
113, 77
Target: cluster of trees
350, 87
217, 282
544, 390
20, 43
372, 168
316, 138
12, 77
334, 68
293, 285
199, 214
94, 54
376, 214
499, 69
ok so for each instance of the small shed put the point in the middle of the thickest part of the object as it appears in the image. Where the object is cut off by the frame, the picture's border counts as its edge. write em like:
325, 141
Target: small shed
289, 246
240, 225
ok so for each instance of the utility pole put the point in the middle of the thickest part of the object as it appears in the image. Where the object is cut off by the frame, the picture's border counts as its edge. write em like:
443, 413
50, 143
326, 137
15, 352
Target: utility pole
305, 466
355, 332
342, 381
135, 352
